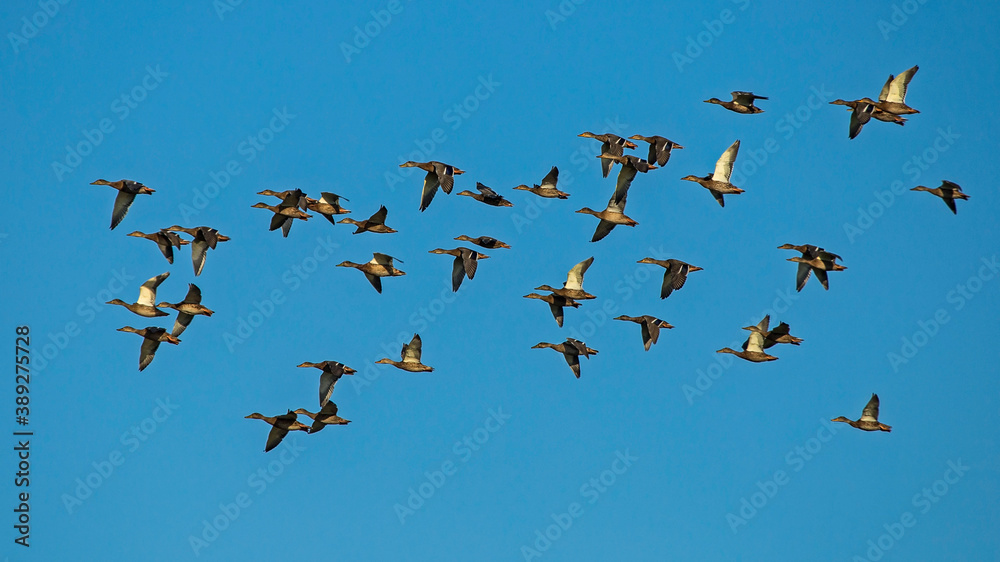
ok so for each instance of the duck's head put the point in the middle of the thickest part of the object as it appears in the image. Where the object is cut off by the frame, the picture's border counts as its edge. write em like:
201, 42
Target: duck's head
263, 205
467, 192
727, 350
800, 248
127, 329
137, 234
523, 187
652, 261
640, 137
542, 345
254, 416
841, 419
411, 164
386, 361
713, 100
693, 178
587, 134
348, 264
587, 211
920, 188
119, 302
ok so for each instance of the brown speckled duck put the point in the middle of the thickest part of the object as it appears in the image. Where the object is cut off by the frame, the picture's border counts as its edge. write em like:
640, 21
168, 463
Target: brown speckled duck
374, 223
410, 356
571, 350
742, 102
151, 338
380, 266
127, 190
548, 187
281, 425
331, 373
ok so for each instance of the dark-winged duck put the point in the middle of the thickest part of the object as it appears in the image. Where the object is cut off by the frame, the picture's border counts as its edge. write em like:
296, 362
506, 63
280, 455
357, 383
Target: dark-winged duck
659, 148
281, 425
611, 216
650, 327
374, 223
556, 304
187, 309
327, 415
612, 145
675, 275
165, 240
331, 373
205, 238
127, 190
488, 196
465, 264
483, 242
571, 350
948, 191
151, 338
813, 259
439, 174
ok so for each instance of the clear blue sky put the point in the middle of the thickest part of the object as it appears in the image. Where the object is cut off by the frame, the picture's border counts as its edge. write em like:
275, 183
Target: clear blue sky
266, 98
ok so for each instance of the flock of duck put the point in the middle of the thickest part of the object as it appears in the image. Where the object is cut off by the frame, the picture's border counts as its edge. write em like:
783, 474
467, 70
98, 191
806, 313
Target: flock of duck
295, 204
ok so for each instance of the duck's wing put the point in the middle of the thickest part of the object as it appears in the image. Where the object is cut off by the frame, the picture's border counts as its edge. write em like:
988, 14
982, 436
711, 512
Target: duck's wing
625, 177
122, 202
870, 413
724, 166
275, 436
379, 216
198, 250
668, 283
802, 275
884, 94
193, 295
286, 225
412, 351
147, 351
384, 259
551, 179
572, 359
746, 98
210, 235
650, 333
147, 292
574, 280
679, 272
823, 279
470, 261
375, 280
327, 380
718, 197
458, 272
487, 191
181, 323
331, 198
445, 176
165, 244
603, 229
951, 185
898, 85
431, 183
556, 307
861, 115
662, 152
754, 343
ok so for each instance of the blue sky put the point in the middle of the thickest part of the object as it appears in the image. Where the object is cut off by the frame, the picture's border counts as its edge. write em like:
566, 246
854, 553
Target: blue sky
676, 453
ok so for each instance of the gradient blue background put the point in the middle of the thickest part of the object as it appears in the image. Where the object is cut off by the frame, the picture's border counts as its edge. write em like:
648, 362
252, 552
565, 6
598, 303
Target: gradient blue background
699, 456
